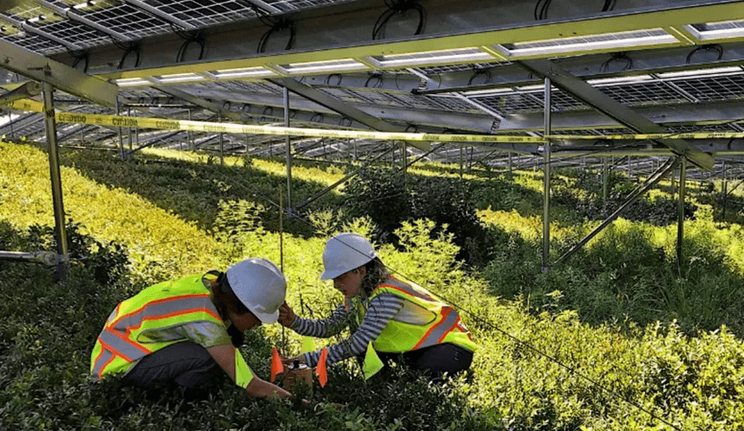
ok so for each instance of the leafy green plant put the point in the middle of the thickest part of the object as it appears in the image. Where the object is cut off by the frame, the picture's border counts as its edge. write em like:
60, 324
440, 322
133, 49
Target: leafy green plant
622, 336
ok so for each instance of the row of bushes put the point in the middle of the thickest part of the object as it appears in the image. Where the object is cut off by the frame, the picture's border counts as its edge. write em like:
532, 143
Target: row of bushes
543, 362
547, 371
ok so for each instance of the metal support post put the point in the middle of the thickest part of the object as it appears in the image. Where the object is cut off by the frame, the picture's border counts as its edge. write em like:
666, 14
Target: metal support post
724, 192
510, 162
189, 136
222, 144
54, 171
288, 152
122, 155
681, 219
605, 179
129, 130
10, 119
470, 159
462, 158
546, 182
45, 257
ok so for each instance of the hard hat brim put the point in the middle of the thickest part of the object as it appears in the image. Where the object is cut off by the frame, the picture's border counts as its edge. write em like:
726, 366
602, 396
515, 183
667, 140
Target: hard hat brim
330, 275
267, 318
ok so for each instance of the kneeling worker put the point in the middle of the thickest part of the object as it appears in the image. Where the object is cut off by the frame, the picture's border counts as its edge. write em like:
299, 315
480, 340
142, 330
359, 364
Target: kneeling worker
186, 331
401, 321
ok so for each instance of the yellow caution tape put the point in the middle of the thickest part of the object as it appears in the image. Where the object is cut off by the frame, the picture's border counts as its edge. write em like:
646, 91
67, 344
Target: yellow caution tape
651, 136
210, 127
27, 105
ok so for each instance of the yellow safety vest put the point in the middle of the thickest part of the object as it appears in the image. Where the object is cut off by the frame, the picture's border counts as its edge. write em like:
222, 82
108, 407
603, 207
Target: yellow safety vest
434, 322
124, 341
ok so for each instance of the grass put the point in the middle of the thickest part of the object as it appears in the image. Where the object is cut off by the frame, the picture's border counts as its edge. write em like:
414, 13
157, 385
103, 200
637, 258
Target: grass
617, 339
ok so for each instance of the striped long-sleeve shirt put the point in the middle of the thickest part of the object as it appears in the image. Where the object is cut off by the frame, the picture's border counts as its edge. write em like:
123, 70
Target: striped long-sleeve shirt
380, 310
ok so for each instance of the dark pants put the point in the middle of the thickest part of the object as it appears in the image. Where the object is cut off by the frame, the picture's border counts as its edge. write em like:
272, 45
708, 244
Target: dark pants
437, 360
187, 365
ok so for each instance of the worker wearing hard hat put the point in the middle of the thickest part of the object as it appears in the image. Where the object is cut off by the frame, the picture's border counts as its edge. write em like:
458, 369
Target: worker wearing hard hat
186, 332
401, 321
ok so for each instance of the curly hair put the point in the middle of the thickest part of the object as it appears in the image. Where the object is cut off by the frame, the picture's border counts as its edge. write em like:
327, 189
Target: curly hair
376, 273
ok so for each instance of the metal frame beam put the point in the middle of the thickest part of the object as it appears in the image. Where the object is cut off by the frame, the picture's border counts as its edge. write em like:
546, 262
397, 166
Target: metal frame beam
484, 24
665, 169
40, 68
587, 67
693, 114
452, 120
74, 16
345, 109
158, 13
613, 109
29, 89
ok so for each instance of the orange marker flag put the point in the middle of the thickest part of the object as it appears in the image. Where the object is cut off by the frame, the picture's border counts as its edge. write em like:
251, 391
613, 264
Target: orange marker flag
320, 370
276, 364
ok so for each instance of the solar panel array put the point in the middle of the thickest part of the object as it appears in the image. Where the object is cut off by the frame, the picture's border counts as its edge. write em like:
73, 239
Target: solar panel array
479, 91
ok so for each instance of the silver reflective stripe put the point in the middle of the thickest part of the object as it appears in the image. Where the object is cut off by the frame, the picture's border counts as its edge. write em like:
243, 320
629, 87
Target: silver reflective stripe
103, 358
407, 288
413, 313
125, 349
161, 307
440, 329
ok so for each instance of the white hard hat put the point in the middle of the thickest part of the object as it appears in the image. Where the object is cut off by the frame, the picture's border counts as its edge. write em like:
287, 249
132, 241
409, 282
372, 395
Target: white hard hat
260, 286
344, 252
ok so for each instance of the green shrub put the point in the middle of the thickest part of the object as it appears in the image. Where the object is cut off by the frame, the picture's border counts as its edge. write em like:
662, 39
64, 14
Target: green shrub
388, 199
564, 352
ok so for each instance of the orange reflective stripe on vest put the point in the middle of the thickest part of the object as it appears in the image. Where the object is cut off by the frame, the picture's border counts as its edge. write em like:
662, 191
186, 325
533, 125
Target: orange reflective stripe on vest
118, 346
402, 336
102, 360
439, 330
162, 308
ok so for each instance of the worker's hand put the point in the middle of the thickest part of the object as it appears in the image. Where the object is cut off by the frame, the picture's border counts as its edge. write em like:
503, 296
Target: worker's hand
286, 315
288, 361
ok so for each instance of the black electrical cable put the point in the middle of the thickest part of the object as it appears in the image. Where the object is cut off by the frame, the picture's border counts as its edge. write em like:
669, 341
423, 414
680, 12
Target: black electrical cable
541, 9
133, 48
334, 75
80, 56
709, 47
377, 76
617, 56
274, 24
128, 48
262, 15
279, 25
189, 38
398, 7
479, 71
608, 5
